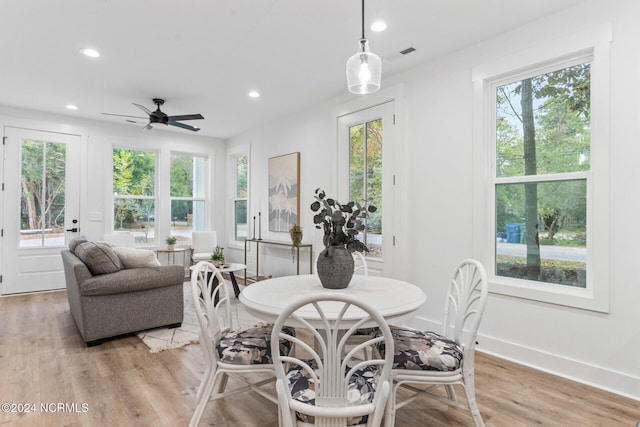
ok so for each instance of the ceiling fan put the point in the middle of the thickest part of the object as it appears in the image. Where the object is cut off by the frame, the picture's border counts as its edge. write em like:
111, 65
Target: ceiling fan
158, 116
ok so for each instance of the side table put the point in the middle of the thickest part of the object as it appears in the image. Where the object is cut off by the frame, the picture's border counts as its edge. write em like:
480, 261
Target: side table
231, 269
277, 243
171, 254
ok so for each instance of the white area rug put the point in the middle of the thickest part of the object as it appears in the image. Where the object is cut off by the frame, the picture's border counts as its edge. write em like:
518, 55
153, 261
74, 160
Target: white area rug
164, 338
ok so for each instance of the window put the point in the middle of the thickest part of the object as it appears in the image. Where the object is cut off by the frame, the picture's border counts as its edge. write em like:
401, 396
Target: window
542, 165
240, 222
365, 178
134, 197
188, 195
42, 203
541, 171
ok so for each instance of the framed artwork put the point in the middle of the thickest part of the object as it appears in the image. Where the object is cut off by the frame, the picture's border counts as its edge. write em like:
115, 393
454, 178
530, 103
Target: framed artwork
284, 192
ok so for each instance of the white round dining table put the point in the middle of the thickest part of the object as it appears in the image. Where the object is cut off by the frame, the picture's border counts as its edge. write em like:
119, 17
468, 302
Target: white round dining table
394, 299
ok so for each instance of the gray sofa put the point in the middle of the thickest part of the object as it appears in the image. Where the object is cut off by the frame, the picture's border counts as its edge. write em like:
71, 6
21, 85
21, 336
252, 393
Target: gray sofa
107, 299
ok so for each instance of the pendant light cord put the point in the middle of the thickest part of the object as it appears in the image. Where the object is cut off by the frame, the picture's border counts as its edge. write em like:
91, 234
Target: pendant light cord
362, 19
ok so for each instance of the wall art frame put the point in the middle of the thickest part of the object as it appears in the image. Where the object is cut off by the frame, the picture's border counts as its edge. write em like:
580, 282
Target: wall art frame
284, 192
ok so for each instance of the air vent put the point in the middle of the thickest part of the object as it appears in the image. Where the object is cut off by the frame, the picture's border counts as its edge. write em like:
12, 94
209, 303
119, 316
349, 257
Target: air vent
407, 50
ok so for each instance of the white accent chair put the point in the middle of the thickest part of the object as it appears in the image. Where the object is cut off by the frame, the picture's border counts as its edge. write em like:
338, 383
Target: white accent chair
227, 352
450, 358
203, 243
330, 386
120, 239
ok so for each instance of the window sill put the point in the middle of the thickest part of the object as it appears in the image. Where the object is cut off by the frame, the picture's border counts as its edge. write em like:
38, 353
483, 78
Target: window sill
581, 298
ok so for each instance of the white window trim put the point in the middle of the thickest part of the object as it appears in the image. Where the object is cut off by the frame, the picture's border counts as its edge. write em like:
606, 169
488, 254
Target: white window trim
156, 198
231, 191
206, 182
594, 43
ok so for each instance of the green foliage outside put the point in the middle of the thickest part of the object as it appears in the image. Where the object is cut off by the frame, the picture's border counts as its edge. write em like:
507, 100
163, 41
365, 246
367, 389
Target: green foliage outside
365, 175
133, 175
543, 129
43, 185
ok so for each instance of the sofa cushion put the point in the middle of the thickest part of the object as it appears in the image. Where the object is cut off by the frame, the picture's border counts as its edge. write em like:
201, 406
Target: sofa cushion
73, 244
99, 258
133, 280
135, 258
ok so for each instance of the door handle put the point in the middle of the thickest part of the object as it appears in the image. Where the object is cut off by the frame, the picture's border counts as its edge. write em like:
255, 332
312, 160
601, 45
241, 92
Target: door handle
73, 230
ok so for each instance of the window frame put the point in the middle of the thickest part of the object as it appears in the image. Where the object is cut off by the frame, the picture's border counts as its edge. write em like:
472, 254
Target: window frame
205, 191
592, 46
155, 197
234, 198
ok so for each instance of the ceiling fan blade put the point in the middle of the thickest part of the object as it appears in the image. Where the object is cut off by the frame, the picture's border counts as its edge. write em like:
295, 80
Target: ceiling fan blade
143, 108
123, 115
185, 117
184, 126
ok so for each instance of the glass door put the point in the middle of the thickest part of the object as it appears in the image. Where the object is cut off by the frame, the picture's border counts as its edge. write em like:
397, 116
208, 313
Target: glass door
40, 207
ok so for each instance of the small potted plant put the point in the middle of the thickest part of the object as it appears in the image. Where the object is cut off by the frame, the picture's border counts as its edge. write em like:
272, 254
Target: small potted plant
218, 257
296, 238
341, 224
171, 241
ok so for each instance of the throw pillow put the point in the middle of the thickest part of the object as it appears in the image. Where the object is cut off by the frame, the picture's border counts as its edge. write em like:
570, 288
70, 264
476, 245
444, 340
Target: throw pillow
99, 258
73, 244
136, 258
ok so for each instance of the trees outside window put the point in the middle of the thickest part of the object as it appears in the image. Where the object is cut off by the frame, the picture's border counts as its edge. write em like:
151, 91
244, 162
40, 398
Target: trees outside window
188, 195
240, 215
134, 197
542, 176
365, 178
42, 202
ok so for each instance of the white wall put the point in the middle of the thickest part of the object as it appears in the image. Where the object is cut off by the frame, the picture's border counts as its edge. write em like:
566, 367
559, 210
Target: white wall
437, 115
100, 139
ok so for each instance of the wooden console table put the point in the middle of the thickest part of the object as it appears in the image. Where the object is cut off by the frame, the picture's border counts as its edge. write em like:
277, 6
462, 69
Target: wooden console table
258, 242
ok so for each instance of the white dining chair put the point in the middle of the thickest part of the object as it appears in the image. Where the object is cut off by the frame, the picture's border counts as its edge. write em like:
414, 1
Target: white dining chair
360, 263
203, 243
323, 384
431, 359
238, 352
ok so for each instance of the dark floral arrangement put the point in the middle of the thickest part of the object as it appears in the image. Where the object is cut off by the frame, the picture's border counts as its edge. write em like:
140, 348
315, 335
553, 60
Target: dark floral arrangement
341, 223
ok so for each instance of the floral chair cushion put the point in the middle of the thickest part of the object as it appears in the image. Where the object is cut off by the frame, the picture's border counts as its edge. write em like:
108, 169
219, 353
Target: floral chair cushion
418, 350
251, 346
362, 388
365, 331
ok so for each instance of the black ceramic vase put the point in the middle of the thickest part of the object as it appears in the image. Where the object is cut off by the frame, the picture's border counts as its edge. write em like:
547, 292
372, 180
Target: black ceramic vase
335, 267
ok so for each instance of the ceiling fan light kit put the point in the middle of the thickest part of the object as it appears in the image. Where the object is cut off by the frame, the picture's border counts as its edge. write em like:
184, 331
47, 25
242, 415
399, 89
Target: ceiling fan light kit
364, 69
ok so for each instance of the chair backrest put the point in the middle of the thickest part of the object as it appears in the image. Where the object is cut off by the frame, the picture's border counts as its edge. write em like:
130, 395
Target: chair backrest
466, 301
120, 239
214, 318
360, 264
204, 241
333, 371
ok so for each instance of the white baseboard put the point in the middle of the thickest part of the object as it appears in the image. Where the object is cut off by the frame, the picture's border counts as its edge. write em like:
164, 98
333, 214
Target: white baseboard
595, 376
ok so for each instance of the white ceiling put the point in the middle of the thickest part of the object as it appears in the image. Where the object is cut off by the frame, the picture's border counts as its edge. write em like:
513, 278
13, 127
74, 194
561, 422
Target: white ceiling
204, 56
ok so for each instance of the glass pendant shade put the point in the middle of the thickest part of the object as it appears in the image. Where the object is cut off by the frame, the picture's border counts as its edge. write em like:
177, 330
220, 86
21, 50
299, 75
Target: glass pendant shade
364, 71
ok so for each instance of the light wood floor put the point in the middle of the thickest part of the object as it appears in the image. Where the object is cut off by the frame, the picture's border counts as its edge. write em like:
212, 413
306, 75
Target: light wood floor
44, 361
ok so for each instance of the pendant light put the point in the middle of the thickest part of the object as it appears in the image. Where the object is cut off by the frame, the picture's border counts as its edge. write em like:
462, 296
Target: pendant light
364, 69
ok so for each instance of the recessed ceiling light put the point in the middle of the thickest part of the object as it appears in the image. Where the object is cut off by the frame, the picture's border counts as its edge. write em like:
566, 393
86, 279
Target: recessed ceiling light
254, 94
71, 107
378, 26
91, 53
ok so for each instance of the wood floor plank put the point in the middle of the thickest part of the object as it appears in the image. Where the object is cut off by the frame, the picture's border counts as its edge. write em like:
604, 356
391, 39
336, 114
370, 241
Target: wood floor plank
43, 360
